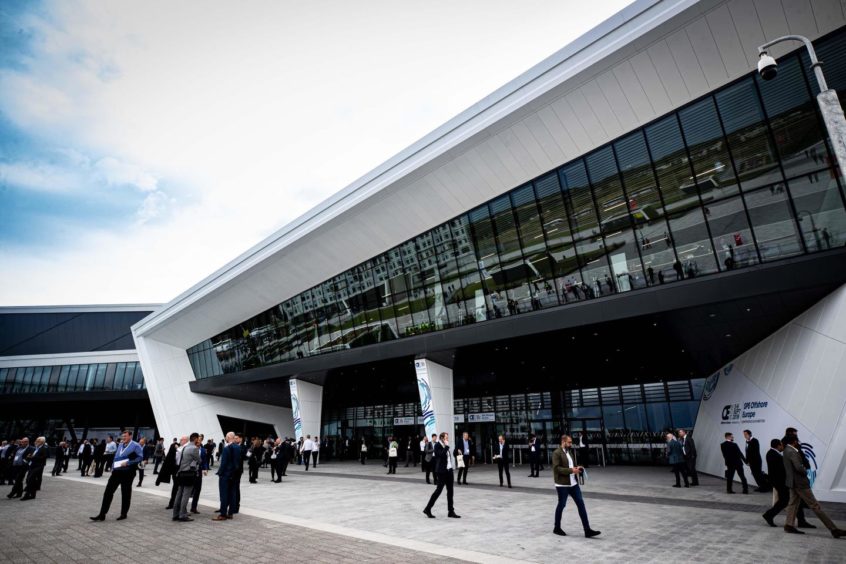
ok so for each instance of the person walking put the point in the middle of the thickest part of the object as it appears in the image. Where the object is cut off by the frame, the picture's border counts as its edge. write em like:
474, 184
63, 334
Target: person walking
468, 452
753, 458
305, 452
315, 451
127, 457
534, 457
189, 464
565, 474
229, 460
796, 478
689, 450
36, 460
444, 466
158, 455
675, 456
777, 476
393, 455
734, 461
363, 450
58, 464
502, 455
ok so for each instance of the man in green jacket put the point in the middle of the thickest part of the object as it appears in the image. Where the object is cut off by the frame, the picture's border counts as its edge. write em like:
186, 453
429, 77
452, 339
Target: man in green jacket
565, 473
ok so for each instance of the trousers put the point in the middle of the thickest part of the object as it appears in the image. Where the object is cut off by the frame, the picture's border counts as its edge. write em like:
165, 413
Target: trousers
124, 479
798, 495
227, 495
445, 480
576, 493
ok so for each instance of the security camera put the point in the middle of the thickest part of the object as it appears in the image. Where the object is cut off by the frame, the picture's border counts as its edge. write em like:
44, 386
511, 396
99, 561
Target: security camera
767, 66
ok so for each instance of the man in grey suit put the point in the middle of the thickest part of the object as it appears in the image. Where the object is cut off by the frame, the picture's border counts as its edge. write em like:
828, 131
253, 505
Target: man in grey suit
188, 460
796, 478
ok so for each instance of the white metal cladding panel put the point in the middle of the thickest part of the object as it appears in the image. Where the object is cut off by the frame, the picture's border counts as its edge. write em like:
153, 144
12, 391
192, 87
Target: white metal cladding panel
578, 116
828, 15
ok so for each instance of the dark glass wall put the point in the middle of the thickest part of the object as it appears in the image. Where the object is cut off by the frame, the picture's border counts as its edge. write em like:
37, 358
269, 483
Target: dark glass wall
54, 333
115, 376
739, 177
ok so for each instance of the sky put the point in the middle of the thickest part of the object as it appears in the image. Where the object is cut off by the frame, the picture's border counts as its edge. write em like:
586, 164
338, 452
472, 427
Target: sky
143, 145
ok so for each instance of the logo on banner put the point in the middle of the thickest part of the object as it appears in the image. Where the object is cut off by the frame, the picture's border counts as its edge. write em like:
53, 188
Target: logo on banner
426, 403
746, 412
808, 451
711, 382
295, 408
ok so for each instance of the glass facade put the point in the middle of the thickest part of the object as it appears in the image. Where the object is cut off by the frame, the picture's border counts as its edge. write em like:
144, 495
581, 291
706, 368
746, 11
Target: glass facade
738, 177
115, 376
626, 423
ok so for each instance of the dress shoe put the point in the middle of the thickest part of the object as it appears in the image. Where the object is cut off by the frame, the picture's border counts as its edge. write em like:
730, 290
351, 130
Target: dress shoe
229, 517
98, 518
195, 512
169, 507
676, 485
137, 485
590, 533
509, 486
428, 513
559, 531
220, 518
730, 492
793, 530
277, 481
837, 533
454, 515
769, 520
805, 525
185, 519
27, 497
687, 485
121, 518
745, 492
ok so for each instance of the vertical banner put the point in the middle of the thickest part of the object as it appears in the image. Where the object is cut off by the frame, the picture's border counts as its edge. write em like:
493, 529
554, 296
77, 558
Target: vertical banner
295, 408
427, 407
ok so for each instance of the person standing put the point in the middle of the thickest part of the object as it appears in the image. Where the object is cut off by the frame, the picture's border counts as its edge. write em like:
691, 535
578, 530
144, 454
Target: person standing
210, 446
87, 457
444, 465
584, 450
19, 467
239, 471
203, 470
675, 456
503, 459
36, 460
565, 474
796, 478
428, 456
229, 460
109, 455
305, 452
79, 452
189, 464
167, 473
60, 459
363, 451
689, 450
315, 451
127, 457
534, 457
393, 455
142, 442
158, 455
734, 460
254, 459
99, 457
468, 451
753, 458
410, 449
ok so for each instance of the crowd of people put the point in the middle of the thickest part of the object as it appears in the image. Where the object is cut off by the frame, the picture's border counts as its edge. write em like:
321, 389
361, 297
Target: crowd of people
186, 461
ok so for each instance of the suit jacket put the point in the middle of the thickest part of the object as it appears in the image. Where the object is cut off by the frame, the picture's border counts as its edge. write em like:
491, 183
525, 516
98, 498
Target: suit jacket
506, 453
39, 457
753, 451
561, 469
794, 470
439, 459
689, 447
460, 446
228, 461
169, 467
675, 455
100, 451
732, 454
775, 468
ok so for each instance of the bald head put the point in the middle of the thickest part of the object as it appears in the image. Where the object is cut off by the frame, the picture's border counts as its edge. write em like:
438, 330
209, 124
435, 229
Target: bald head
230, 436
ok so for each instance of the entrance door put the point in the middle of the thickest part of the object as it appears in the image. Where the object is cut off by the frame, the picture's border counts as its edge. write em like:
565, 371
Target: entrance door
594, 431
485, 435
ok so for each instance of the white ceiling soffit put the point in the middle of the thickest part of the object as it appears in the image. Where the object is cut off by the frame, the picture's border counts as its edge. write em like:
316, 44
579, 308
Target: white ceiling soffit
96, 308
652, 57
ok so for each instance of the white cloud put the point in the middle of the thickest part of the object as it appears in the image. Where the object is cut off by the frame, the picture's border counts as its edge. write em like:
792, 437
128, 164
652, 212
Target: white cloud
231, 120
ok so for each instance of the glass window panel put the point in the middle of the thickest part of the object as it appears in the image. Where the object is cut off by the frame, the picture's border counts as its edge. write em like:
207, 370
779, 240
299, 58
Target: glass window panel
418, 298
793, 118
27, 379
488, 260
100, 377
748, 137
773, 222
537, 260
73, 384
120, 371
731, 234
613, 417
433, 286
693, 246
90, 376
635, 417
595, 271
579, 201
684, 414
382, 285
562, 262
714, 177
522, 293
658, 417
446, 251
820, 211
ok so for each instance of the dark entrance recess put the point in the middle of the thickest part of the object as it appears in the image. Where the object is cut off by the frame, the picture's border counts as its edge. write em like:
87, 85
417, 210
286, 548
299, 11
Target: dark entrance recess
246, 428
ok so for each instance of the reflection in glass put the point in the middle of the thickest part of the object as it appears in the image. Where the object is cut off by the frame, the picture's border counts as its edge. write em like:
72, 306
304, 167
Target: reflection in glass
772, 220
820, 212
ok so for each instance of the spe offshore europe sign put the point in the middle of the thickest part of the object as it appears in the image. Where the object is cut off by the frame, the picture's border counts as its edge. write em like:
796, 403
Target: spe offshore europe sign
732, 403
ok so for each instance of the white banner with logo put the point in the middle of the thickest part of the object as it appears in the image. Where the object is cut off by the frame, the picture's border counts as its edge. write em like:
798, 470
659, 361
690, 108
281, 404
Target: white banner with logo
732, 403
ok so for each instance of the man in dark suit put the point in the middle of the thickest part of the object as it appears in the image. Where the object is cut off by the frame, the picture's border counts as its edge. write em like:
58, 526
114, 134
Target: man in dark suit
734, 460
502, 455
19, 467
429, 458
230, 456
60, 459
36, 461
753, 458
99, 458
675, 457
796, 478
689, 450
444, 467
777, 477
7, 455
534, 457
468, 450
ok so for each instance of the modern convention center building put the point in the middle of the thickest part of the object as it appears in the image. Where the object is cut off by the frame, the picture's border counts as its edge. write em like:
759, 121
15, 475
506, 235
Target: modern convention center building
637, 234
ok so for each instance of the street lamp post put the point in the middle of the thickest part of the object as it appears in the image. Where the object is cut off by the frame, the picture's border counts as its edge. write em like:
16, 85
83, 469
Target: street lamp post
832, 112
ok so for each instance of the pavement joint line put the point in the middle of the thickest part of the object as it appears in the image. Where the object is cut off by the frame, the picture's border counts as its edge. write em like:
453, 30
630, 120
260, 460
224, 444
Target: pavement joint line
409, 544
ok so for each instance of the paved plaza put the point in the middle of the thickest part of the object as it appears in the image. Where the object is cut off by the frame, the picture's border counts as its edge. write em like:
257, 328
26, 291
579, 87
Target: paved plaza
349, 512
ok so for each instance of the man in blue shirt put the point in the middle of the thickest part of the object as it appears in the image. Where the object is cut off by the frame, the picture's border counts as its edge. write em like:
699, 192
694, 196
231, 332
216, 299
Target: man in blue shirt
128, 456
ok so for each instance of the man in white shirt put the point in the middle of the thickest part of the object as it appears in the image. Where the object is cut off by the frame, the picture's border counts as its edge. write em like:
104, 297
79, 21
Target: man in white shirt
111, 449
308, 446
565, 474
444, 466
